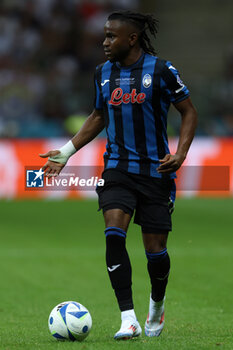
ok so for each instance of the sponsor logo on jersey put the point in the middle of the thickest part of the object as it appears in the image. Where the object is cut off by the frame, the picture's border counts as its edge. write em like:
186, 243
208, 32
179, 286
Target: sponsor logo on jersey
147, 80
117, 97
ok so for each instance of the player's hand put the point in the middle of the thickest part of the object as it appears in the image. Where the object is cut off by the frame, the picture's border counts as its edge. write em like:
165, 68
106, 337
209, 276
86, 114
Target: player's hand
51, 168
170, 163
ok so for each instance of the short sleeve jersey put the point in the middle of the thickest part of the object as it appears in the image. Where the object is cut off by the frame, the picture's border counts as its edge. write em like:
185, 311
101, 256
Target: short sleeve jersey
135, 101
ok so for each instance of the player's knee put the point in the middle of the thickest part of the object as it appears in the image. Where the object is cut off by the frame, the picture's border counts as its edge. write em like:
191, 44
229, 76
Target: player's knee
155, 243
117, 218
155, 247
157, 256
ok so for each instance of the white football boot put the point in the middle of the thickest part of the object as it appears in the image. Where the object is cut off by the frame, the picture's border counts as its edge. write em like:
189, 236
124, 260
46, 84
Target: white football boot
130, 326
155, 319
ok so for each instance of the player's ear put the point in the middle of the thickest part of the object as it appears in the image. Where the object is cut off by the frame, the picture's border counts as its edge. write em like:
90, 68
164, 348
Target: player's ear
133, 37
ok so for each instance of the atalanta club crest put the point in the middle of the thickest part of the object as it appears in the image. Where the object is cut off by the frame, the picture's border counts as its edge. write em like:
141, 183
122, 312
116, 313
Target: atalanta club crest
146, 81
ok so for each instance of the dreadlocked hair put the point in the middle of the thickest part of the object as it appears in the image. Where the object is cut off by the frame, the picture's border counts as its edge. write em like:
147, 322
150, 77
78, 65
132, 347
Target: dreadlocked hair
144, 23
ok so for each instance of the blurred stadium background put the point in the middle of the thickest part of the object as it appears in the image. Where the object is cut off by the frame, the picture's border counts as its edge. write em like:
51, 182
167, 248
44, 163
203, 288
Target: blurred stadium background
48, 53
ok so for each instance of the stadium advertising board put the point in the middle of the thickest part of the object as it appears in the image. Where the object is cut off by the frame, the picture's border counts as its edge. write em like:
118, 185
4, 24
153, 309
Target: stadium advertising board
207, 171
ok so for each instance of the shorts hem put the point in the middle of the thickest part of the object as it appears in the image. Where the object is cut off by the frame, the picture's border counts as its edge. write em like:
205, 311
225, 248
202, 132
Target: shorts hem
123, 207
155, 230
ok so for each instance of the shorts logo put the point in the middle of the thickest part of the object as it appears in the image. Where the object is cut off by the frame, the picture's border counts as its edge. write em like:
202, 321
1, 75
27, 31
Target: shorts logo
146, 81
35, 178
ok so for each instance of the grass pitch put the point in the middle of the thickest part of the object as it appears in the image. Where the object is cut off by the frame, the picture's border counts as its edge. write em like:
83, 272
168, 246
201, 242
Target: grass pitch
54, 251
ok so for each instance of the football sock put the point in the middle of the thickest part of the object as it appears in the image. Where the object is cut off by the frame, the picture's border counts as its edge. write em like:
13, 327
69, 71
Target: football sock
158, 267
119, 267
156, 310
129, 314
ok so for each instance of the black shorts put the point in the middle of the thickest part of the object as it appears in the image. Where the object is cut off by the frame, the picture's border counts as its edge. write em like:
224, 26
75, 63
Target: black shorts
148, 196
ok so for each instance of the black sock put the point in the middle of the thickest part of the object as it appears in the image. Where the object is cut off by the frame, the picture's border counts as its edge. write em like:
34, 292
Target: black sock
158, 267
119, 267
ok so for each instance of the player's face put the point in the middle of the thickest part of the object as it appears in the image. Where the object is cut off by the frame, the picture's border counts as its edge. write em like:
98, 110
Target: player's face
117, 40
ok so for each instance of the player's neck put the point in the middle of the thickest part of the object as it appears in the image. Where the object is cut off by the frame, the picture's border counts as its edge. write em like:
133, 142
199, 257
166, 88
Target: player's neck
132, 58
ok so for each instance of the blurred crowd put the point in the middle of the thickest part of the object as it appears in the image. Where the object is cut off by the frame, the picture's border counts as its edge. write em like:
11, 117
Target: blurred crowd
221, 94
213, 98
48, 53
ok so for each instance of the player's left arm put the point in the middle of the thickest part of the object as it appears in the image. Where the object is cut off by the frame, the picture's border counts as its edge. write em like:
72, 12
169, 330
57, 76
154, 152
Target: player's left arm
171, 163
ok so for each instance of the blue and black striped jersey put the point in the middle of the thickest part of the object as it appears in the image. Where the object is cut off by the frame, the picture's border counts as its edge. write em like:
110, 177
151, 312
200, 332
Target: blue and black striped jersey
135, 100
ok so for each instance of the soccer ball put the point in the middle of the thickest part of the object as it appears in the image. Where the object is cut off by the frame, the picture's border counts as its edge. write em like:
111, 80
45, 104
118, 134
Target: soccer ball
70, 320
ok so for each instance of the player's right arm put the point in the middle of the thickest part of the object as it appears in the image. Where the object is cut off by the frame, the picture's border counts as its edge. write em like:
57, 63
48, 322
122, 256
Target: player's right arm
90, 129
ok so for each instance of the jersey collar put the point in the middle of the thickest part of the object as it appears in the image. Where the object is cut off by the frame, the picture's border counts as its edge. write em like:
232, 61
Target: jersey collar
132, 65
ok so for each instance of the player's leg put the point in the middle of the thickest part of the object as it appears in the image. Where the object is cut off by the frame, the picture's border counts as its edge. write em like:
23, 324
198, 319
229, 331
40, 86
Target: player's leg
119, 270
152, 214
158, 263
118, 201
117, 259
158, 266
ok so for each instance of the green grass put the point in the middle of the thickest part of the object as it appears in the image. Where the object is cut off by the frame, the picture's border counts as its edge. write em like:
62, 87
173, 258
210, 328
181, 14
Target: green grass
53, 251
